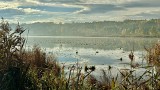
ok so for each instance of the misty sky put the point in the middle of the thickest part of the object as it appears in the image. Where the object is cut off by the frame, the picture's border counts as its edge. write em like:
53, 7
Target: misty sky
29, 11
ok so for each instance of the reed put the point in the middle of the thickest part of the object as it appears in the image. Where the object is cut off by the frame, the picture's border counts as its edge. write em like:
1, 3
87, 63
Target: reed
35, 70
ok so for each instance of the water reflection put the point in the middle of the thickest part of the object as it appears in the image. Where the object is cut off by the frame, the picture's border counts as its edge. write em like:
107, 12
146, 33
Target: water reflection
101, 52
103, 43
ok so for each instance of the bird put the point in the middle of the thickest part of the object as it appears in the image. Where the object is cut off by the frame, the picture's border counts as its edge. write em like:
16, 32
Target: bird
109, 67
76, 52
120, 59
97, 52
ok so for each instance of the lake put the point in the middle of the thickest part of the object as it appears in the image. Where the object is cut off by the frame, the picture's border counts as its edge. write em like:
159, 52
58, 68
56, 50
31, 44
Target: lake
99, 51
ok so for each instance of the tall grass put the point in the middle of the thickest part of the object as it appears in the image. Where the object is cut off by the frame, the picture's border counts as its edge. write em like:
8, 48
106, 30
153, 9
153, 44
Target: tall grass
35, 70
32, 70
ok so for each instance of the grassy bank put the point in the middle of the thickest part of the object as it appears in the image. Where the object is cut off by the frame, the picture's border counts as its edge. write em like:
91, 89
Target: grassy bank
35, 70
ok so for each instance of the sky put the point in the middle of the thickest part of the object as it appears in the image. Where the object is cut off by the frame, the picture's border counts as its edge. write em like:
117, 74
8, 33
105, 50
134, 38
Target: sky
30, 11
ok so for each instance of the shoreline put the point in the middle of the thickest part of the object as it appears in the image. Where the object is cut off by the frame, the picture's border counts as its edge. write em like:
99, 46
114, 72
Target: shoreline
93, 36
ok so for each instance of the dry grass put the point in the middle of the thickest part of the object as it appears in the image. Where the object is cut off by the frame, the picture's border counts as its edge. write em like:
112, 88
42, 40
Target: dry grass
34, 70
153, 56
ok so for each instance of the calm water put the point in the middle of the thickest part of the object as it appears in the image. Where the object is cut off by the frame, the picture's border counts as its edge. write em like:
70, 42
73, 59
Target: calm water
98, 51
100, 43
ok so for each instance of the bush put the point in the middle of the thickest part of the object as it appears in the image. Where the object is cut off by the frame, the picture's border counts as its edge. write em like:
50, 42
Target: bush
18, 67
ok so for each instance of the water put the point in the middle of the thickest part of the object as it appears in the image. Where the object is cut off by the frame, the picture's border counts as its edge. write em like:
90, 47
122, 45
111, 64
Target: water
102, 43
99, 51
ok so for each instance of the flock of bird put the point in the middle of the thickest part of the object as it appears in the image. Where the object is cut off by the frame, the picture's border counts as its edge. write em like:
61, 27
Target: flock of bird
96, 52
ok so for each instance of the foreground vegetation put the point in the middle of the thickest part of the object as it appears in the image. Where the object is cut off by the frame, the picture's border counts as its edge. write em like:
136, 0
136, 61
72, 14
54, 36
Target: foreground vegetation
34, 70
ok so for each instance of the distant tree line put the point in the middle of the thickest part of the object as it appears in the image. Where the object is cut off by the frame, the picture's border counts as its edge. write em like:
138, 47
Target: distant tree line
100, 28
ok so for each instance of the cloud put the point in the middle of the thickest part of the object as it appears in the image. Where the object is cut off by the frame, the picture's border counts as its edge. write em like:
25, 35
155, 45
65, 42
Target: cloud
78, 10
10, 12
147, 15
7, 5
106, 1
142, 4
51, 8
78, 1
100, 8
31, 11
60, 1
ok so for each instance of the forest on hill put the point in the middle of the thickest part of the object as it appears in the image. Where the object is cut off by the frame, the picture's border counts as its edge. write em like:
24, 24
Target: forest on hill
141, 28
